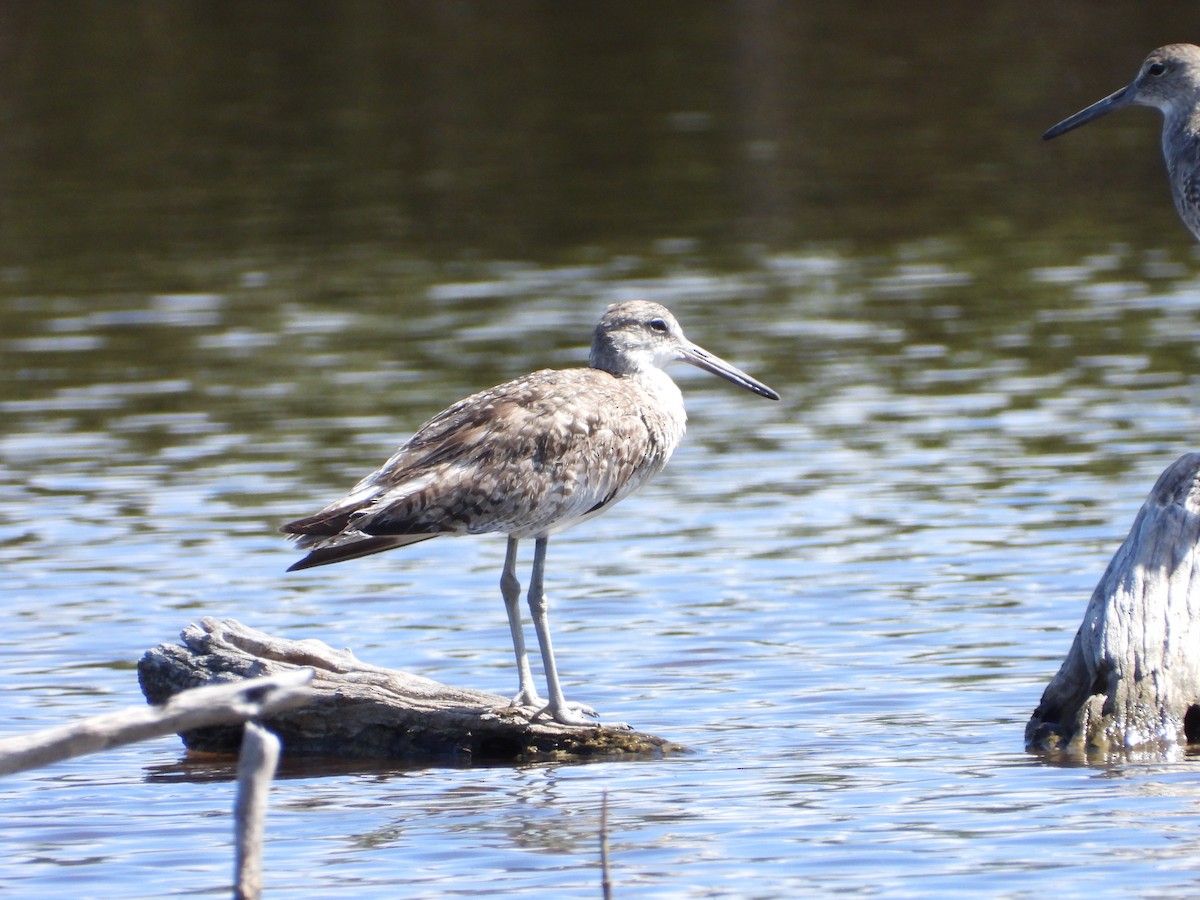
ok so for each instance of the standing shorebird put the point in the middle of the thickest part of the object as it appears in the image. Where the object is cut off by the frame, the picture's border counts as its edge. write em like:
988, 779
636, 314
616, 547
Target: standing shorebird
1169, 80
529, 458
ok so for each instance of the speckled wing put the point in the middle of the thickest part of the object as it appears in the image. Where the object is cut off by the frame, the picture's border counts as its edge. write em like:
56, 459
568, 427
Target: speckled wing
1187, 195
528, 457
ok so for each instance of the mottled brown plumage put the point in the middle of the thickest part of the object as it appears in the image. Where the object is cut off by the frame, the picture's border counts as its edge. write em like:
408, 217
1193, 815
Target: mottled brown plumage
561, 435
528, 458
1169, 80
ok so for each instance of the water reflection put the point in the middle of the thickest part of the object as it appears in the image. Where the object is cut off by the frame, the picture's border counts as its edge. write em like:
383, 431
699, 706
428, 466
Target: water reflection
246, 249
167, 142
824, 601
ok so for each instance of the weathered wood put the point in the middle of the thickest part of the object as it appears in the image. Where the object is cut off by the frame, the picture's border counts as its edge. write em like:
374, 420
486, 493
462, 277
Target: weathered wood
368, 712
228, 704
605, 872
1131, 680
257, 761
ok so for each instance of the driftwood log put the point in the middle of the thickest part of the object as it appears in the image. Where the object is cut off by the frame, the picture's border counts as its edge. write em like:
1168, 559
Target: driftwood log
367, 712
1131, 680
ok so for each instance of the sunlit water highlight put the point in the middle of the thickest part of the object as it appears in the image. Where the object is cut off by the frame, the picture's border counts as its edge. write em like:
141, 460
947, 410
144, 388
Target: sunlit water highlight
846, 605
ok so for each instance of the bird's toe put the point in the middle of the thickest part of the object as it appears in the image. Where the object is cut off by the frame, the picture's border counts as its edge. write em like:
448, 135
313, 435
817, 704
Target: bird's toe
575, 714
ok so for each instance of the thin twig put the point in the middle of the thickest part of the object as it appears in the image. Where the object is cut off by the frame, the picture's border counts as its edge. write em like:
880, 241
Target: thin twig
605, 879
222, 704
256, 768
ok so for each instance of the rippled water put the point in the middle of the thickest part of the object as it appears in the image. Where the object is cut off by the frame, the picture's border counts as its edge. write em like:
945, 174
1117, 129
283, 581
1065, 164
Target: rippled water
846, 604
245, 249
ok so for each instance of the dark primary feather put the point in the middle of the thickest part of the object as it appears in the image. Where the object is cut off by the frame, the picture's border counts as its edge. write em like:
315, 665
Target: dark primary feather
324, 556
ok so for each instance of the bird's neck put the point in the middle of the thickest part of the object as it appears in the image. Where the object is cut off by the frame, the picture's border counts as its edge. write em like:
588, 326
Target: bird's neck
663, 392
1181, 129
1181, 143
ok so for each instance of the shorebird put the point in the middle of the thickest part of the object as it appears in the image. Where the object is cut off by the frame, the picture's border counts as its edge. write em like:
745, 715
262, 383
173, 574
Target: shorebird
529, 458
1168, 80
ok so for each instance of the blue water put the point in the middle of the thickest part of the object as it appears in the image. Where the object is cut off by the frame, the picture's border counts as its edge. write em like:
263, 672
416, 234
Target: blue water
245, 249
845, 605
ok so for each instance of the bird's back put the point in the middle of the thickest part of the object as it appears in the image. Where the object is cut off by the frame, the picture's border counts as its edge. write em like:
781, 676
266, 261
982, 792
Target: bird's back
526, 458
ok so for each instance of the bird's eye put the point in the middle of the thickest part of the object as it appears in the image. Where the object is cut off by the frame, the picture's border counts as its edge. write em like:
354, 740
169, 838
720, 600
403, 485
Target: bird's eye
1156, 69
658, 325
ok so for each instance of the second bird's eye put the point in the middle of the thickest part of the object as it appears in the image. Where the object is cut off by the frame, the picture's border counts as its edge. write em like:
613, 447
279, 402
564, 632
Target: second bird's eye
658, 325
1156, 69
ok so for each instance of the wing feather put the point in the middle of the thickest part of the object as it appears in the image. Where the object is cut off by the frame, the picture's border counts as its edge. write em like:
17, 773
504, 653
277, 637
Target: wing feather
527, 457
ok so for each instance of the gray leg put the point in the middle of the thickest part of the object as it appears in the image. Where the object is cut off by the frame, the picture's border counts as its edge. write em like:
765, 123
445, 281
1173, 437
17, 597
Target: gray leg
510, 588
558, 708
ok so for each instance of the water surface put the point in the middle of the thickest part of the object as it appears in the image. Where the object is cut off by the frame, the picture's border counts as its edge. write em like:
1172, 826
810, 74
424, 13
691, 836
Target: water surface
245, 250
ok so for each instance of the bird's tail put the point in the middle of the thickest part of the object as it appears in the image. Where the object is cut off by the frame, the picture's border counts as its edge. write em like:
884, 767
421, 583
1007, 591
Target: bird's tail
324, 556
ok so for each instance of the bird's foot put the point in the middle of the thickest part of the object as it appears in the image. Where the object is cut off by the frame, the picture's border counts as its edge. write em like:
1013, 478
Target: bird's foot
575, 714
528, 699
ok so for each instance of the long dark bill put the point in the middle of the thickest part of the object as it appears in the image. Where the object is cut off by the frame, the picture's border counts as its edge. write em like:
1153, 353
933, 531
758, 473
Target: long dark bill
1113, 101
702, 359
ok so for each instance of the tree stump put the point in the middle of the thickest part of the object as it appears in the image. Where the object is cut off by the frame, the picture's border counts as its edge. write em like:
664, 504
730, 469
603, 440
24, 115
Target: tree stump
1131, 680
367, 712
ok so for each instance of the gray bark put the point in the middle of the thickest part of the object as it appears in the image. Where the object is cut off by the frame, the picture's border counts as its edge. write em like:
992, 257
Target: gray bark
256, 767
1131, 680
367, 712
228, 704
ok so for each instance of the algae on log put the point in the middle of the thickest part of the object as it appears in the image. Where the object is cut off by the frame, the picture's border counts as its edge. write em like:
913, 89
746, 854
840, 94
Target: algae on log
367, 712
1131, 680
